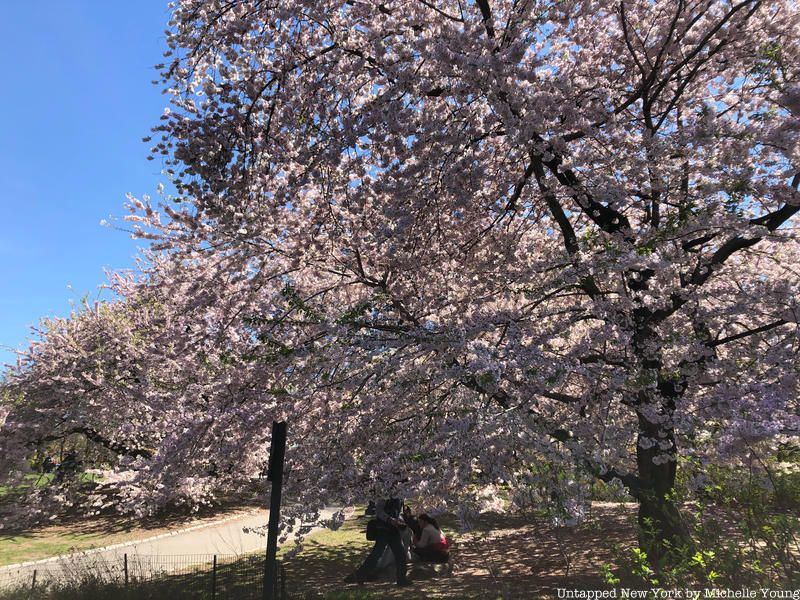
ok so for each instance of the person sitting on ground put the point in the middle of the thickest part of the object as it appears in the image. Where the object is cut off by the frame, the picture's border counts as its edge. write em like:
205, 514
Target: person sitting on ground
412, 522
432, 545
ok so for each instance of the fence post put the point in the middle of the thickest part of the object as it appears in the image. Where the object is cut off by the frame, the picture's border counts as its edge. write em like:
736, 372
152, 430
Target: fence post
275, 475
125, 567
33, 583
214, 579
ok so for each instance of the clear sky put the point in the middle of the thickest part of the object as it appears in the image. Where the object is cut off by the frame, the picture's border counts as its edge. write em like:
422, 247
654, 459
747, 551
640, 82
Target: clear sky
76, 99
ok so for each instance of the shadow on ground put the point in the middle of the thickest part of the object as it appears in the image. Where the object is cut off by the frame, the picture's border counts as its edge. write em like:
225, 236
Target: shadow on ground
114, 523
110, 521
503, 556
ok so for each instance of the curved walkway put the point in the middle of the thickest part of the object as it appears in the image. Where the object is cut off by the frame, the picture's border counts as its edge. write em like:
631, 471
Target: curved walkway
241, 534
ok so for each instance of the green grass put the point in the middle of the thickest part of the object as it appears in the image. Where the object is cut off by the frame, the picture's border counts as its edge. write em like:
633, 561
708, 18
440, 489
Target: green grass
327, 556
39, 480
315, 573
241, 580
21, 548
162, 590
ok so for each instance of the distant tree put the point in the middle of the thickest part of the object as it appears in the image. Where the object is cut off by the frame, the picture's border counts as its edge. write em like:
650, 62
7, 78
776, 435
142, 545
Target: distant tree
450, 241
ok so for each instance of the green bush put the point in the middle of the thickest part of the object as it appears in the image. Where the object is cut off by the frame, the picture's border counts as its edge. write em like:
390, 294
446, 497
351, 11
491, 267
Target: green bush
745, 527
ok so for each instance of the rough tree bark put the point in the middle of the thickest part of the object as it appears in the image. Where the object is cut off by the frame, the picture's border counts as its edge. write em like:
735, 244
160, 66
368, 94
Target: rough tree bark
662, 530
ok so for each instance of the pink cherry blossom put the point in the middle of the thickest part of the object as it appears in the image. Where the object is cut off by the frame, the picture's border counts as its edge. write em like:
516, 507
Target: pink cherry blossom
448, 243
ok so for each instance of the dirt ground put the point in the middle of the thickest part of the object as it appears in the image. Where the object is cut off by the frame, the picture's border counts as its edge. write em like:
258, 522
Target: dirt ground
503, 557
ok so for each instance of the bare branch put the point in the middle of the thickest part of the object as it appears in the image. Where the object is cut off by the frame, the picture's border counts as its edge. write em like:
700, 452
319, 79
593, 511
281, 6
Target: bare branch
747, 333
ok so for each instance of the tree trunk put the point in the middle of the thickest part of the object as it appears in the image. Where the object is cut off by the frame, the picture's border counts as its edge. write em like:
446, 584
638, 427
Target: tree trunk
662, 531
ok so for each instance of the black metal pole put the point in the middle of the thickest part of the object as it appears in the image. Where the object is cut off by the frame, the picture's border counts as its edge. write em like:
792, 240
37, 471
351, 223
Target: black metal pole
275, 475
214, 580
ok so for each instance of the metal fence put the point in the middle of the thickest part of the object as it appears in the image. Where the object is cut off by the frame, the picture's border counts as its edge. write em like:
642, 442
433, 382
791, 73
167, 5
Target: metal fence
176, 577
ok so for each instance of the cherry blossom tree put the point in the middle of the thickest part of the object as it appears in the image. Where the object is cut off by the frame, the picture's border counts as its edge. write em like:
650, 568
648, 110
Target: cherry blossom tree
450, 242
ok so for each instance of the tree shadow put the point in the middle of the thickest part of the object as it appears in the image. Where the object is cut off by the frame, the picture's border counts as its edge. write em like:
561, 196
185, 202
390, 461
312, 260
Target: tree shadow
235, 578
110, 521
509, 556
503, 555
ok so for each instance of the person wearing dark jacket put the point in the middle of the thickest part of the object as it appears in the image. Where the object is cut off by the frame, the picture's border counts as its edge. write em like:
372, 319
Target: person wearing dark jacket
388, 513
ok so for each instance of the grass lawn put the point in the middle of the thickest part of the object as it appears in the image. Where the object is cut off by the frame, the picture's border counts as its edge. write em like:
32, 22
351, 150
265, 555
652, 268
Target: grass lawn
53, 540
39, 480
49, 542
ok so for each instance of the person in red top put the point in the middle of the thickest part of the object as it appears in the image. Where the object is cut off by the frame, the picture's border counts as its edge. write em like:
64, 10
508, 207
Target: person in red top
431, 544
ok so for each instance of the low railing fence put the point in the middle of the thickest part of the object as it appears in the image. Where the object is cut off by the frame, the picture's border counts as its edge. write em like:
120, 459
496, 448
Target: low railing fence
174, 577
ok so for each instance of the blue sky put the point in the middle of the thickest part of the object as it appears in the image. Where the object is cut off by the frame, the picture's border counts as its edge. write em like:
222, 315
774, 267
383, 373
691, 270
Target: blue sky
76, 101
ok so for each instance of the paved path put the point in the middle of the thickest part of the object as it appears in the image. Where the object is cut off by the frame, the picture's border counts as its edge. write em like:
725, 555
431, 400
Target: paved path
166, 553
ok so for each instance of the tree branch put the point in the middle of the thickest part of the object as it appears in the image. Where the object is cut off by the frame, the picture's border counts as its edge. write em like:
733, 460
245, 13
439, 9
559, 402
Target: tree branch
630, 481
486, 13
97, 438
570, 240
747, 333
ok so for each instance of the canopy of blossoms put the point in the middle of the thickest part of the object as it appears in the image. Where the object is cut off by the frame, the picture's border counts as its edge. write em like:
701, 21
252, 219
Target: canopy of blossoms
453, 244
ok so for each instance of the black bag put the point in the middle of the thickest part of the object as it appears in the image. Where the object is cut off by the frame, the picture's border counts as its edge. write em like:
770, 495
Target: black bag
376, 529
